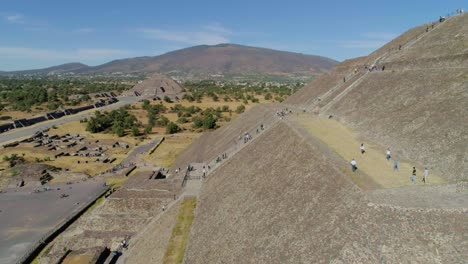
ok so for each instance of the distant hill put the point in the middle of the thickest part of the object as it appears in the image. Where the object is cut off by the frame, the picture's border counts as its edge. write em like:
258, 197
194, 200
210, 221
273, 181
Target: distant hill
223, 59
68, 67
207, 61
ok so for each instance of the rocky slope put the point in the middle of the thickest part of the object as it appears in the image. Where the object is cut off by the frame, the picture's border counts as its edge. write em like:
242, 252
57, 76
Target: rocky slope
280, 200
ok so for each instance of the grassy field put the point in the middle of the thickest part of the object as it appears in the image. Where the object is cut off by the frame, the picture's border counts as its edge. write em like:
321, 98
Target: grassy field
346, 144
180, 234
168, 151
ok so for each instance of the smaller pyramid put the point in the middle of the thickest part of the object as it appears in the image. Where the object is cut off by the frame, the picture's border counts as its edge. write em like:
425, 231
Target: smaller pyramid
157, 87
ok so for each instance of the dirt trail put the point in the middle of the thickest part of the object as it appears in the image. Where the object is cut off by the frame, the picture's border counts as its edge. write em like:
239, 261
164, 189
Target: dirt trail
346, 144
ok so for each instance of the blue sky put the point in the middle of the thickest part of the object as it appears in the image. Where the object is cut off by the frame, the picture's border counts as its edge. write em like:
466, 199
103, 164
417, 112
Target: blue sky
42, 33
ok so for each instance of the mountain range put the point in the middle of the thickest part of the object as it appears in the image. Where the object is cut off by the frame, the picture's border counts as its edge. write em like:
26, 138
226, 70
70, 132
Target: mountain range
207, 61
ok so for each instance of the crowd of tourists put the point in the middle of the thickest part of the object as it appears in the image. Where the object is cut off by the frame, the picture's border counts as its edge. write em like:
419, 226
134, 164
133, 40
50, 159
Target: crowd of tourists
388, 157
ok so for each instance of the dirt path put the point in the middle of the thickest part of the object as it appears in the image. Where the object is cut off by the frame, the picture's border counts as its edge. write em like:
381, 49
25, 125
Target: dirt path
346, 144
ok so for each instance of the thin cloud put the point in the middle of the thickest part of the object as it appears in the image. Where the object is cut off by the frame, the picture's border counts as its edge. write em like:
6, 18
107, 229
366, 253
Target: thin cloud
14, 18
45, 54
217, 27
209, 35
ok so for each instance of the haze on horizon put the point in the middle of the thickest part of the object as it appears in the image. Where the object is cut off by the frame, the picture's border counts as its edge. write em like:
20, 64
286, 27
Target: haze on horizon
37, 34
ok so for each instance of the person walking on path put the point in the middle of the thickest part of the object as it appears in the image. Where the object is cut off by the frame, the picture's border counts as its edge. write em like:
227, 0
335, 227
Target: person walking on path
353, 165
413, 176
362, 148
388, 154
395, 164
425, 175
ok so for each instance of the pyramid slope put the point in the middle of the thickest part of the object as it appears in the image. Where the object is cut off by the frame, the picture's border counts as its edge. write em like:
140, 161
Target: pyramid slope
292, 206
158, 85
214, 143
416, 106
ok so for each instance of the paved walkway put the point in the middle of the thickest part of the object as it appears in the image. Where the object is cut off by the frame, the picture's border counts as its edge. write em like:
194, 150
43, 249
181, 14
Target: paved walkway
195, 179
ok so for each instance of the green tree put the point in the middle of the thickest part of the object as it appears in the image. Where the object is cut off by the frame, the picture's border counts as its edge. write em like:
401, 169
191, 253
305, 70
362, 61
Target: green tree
209, 122
172, 128
135, 131
279, 99
240, 109
197, 122
118, 129
148, 128
162, 121
146, 104
188, 97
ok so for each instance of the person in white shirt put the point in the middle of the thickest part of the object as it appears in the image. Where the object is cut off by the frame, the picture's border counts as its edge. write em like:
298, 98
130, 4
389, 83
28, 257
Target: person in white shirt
388, 154
362, 148
353, 165
426, 174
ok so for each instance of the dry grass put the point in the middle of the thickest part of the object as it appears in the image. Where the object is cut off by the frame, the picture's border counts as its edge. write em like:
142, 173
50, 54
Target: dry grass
116, 181
207, 102
91, 168
80, 259
29, 155
180, 234
170, 148
346, 143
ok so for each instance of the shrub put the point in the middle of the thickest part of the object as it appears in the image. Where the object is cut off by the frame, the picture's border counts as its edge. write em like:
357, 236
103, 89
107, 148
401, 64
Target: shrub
197, 122
172, 128
148, 128
279, 99
240, 109
167, 99
118, 130
182, 120
162, 121
188, 97
135, 131
209, 122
